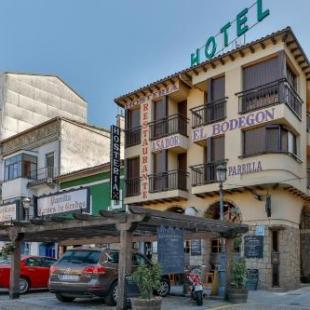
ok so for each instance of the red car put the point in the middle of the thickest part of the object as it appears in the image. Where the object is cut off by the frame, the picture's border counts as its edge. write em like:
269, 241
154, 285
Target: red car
34, 272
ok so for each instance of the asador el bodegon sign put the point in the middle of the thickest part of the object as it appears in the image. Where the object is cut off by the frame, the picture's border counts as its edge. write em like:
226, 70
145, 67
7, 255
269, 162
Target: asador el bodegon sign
213, 46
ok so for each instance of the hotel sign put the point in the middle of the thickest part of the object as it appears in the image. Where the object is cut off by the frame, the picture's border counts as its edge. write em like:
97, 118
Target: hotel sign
64, 202
213, 46
8, 213
115, 162
244, 121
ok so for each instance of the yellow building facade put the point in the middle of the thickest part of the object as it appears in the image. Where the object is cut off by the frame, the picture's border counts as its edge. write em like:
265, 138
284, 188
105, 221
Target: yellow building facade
246, 109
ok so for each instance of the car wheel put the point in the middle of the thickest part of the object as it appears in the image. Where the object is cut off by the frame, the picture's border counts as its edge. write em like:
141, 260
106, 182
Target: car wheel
164, 289
111, 299
63, 298
23, 285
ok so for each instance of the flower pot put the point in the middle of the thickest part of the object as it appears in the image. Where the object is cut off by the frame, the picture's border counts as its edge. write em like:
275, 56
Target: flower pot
146, 304
237, 295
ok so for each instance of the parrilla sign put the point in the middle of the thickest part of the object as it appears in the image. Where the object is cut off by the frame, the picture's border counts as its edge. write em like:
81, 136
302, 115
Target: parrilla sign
64, 202
243, 121
115, 162
211, 48
8, 212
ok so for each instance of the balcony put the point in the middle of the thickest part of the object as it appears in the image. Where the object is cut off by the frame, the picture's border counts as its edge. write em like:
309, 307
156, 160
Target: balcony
44, 175
133, 136
174, 124
270, 94
209, 113
168, 181
205, 173
308, 178
132, 187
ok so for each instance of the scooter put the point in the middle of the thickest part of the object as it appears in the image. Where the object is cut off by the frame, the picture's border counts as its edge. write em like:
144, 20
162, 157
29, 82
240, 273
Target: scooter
197, 289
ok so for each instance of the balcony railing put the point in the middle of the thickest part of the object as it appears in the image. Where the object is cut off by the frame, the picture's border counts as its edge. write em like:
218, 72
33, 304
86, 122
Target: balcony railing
133, 136
171, 125
166, 181
270, 94
44, 175
308, 178
209, 113
132, 187
205, 173
308, 122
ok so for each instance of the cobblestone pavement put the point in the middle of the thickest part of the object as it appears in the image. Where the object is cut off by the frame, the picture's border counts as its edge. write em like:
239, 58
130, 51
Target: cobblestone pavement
258, 300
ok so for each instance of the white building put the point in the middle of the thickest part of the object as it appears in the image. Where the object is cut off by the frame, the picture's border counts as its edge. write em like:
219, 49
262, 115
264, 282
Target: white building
27, 100
30, 160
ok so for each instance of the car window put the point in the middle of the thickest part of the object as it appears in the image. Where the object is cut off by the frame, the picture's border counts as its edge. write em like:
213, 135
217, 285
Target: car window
47, 262
33, 262
139, 260
81, 257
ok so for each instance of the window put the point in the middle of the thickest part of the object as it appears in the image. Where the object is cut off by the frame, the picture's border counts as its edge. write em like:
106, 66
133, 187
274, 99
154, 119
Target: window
139, 260
133, 118
81, 257
33, 262
291, 77
49, 159
268, 139
22, 165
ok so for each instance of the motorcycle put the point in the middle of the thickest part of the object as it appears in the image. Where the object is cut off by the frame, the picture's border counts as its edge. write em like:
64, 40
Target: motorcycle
194, 277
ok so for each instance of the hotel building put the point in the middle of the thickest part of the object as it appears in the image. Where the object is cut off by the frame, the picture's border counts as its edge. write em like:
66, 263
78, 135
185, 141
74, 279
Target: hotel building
246, 109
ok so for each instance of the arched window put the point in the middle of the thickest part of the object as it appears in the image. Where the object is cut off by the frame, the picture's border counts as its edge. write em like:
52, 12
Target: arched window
232, 213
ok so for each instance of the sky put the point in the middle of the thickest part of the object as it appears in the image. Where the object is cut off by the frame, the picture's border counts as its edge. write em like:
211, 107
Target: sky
106, 48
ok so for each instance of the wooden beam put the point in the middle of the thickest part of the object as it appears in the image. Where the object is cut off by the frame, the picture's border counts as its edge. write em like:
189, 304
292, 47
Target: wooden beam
124, 265
252, 49
263, 45
293, 50
229, 247
241, 53
222, 61
15, 270
205, 68
232, 57
274, 40
290, 43
284, 38
196, 71
213, 65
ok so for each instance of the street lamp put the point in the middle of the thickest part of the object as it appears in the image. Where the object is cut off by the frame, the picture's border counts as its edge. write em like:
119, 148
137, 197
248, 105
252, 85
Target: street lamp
221, 178
26, 205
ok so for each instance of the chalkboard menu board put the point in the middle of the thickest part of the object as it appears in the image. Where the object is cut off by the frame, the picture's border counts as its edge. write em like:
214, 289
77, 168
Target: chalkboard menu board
132, 289
252, 279
196, 247
170, 249
253, 246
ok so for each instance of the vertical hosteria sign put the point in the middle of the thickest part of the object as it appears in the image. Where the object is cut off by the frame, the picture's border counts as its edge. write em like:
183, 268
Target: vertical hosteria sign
115, 162
224, 38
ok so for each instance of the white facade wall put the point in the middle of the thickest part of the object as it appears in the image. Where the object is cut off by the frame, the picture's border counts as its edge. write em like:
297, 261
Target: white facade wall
27, 100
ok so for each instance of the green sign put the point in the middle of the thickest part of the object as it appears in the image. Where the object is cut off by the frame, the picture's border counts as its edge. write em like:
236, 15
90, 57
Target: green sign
211, 48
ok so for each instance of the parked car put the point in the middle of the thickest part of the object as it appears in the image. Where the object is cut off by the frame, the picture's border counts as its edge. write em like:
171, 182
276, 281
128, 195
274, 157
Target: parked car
92, 272
34, 272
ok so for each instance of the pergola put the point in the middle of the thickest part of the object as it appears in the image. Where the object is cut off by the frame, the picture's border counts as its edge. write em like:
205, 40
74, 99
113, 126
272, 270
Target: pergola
137, 224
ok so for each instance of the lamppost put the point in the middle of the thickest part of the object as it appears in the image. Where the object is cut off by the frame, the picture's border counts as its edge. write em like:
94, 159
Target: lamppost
221, 178
26, 205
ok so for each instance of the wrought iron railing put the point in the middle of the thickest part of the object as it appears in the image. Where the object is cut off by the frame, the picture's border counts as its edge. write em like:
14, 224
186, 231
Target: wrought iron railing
166, 181
171, 125
308, 178
270, 94
209, 113
44, 175
205, 173
308, 122
133, 136
132, 187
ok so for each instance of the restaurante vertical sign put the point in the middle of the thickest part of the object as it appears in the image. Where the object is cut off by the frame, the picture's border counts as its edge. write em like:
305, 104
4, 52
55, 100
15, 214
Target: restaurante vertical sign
115, 162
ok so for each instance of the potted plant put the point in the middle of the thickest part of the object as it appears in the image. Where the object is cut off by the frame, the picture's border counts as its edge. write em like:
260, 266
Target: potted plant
237, 292
147, 279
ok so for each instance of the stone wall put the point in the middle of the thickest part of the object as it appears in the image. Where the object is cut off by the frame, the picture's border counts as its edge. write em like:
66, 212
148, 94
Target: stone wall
289, 254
